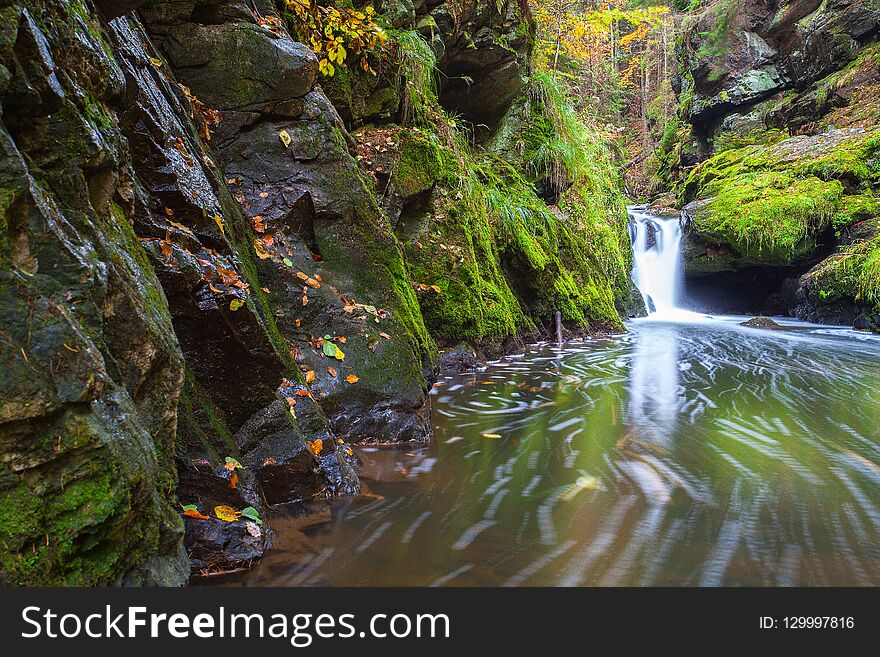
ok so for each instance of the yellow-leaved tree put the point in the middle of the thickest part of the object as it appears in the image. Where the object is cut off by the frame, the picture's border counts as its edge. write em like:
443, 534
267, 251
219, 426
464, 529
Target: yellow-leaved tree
335, 34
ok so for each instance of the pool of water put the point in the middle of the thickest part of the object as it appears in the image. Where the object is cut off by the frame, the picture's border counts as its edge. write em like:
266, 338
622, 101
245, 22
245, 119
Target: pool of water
679, 453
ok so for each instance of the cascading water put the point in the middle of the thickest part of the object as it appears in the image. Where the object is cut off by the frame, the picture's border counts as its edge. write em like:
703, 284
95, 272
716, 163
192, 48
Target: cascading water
657, 269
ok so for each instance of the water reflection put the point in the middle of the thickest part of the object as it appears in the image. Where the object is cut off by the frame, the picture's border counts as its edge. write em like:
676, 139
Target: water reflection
676, 454
654, 397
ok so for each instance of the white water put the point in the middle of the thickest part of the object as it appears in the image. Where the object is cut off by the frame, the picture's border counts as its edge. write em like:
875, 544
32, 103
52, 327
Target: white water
657, 266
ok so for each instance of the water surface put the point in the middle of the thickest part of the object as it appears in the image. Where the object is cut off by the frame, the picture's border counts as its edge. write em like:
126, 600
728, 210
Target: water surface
695, 453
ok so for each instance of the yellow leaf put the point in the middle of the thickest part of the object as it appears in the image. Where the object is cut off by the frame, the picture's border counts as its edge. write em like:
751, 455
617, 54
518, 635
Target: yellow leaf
302, 276
262, 253
316, 446
235, 304
491, 435
155, 61
285, 138
436, 288
339, 354
352, 378
226, 513
219, 221
310, 376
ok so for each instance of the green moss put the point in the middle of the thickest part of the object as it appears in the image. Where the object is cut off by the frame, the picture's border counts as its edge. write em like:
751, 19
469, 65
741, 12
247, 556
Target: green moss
853, 209
420, 163
768, 216
852, 273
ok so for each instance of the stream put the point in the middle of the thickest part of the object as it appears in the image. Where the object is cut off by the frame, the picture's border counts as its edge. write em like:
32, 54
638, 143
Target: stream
689, 450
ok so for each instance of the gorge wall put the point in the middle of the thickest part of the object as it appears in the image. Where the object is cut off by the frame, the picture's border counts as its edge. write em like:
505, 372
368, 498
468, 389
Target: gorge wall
774, 156
219, 269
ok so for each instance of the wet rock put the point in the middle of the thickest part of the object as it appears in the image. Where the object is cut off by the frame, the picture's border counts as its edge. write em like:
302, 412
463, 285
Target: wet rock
317, 216
91, 368
761, 322
461, 358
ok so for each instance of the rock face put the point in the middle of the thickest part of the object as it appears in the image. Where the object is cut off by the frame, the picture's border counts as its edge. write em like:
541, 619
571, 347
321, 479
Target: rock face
781, 99
481, 51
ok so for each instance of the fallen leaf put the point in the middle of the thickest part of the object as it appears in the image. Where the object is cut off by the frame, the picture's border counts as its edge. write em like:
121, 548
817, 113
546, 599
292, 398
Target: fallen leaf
232, 464
233, 480
193, 513
287, 262
219, 221
436, 288
253, 530
226, 513
235, 304
352, 378
155, 61
305, 300
302, 393
262, 253
316, 445
311, 282
270, 460
385, 335
302, 275
310, 376
285, 138
494, 436
252, 514
331, 371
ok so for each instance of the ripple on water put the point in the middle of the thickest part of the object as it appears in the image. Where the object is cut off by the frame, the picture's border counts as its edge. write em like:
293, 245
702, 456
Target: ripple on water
675, 454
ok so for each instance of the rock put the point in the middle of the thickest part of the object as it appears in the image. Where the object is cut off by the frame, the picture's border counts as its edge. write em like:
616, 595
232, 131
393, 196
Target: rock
485, 59
91, 368
461, 358
761, 322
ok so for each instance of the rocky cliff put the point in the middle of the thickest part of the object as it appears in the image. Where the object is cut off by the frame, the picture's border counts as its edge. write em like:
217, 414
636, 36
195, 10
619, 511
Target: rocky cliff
776, 153
219, 269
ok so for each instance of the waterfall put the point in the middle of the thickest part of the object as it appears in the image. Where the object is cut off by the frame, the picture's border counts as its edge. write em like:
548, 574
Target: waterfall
657, 268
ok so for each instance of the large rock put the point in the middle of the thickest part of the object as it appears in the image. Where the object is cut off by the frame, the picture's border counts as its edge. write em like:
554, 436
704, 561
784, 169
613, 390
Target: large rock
735, 55
91, 370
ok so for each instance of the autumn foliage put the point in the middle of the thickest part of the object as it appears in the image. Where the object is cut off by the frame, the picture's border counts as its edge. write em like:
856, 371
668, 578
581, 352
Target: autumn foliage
335, 34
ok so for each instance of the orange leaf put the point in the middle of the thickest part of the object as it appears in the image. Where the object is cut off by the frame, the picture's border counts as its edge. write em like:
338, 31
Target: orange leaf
302, 276
302, 393
352, 378
233, 481
305, 300
331, 371
192, 513
316, 446
226, 513
310, 376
